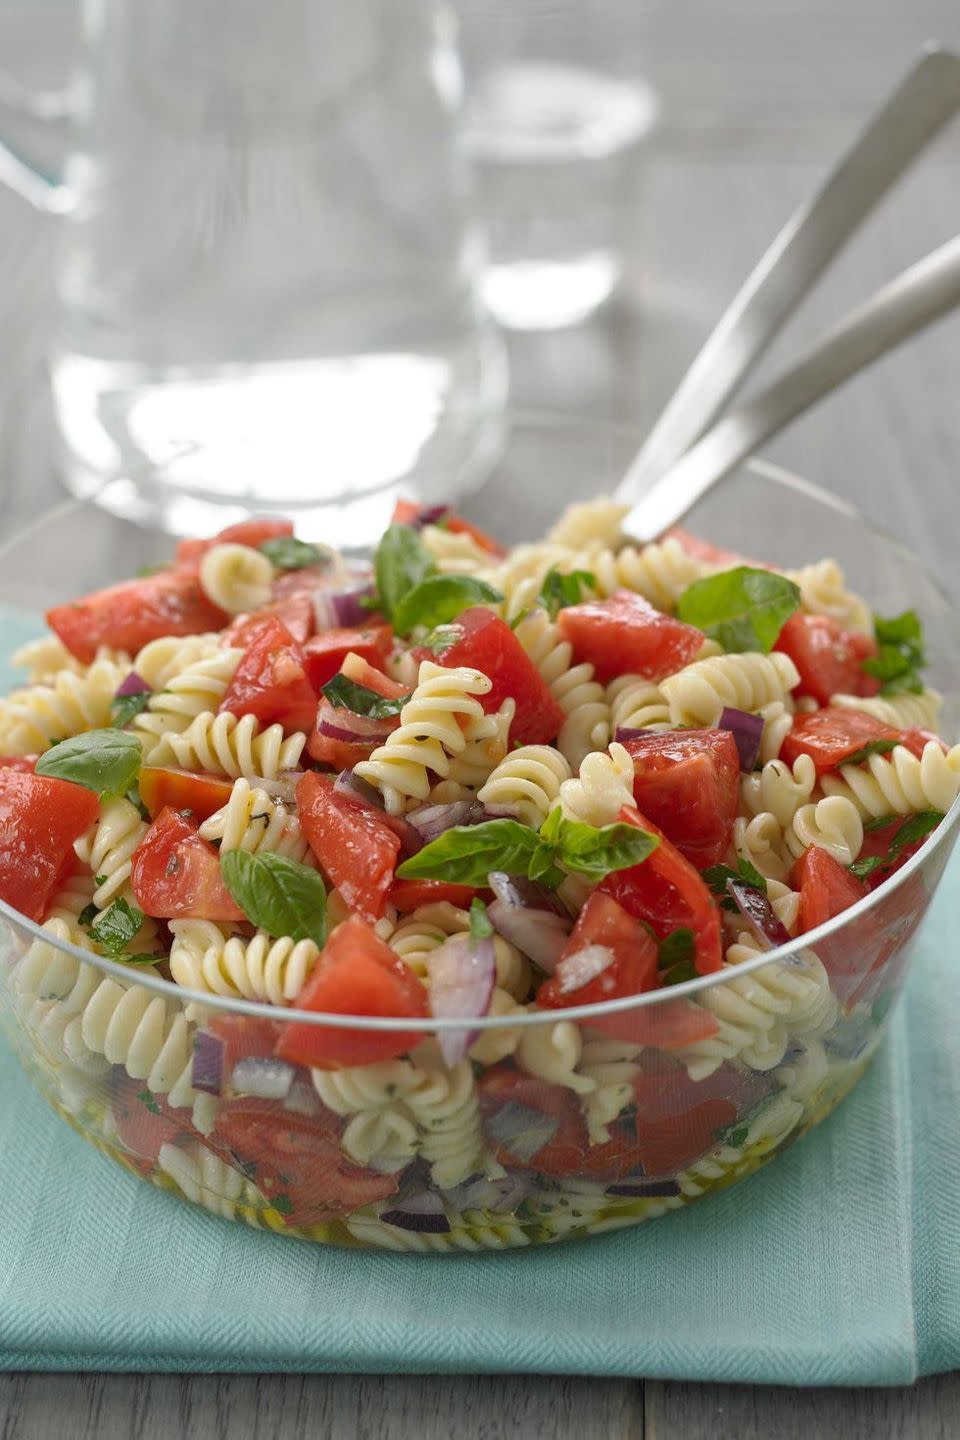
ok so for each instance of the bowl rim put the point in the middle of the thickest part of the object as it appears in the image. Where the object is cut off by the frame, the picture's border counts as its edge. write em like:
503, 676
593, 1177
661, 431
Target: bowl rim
794, 952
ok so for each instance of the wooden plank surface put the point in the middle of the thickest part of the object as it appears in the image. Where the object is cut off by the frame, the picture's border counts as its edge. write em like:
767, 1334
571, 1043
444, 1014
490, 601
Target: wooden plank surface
758, 98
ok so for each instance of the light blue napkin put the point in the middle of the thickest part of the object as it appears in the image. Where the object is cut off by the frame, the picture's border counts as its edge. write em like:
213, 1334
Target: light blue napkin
839, 1264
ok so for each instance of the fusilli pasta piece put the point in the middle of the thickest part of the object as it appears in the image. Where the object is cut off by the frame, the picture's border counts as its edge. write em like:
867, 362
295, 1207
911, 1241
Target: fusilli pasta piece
252, 821
611, 1065
602, 788
257, 969
224, 745
46, 658
582, 699
777, 719
485, 745
823, 591
899, 783
659, 572
698, 693
455, 552
161, 660
197, 689
900, 711
590, 521
236, 578
34, 718
207, 1180
760, 842
527, 783
108, 846
832, 824
779, 788
637, 704
552, 1053
447, 1113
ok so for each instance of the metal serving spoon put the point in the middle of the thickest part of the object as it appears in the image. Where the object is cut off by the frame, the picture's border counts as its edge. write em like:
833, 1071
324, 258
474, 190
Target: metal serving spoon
678, 462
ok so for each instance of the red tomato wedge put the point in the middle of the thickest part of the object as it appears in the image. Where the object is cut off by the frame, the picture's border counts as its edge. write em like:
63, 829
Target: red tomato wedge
357, 974
355, 847
271, 682
295, 1161
201, 795
128, 615
175, 874
26, 764
485, 642
625, 634
295, 613
244, 1037
323, 656
828, 657
688, 783
666, 891
830, 736
826, 887
40, 818
246, 532
408, 894
145, 1122
563, 1153
877, 843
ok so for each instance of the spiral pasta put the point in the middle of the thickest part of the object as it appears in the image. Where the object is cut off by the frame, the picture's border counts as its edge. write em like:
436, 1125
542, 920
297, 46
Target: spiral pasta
779, 788
48, 657
899, 711
899, 783
765, 1132
257, 969
612, 1066
637, 704
425, 929
252, 820
38, 716
777, 719
698, 693
552, 1053
602, 788
832, 824
823, 591
196, 689
456, 552
224, 745
659, 572
582, 699
485, 745
590, 522
760, 842
206, 1180
471, 1230
108, 846
236, 578
447, 1113
527, 783
161, 660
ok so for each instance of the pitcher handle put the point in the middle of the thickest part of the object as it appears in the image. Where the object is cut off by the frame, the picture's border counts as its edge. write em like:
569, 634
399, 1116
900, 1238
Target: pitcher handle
51, 110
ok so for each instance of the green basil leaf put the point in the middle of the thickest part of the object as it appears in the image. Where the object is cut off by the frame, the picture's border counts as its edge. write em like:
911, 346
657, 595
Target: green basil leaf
282, 896
715, 877
119, 924
124, 708
677, 948
441, 598
402, 562
87, 915
543, 867
465, 854
480, 926
900, 656
595, 853
287, 553
440, 640
880, 822
742, 609
558, 591
738, 1137
866, 866
873, 747
104, 761
898, 628
348, 695
914, 829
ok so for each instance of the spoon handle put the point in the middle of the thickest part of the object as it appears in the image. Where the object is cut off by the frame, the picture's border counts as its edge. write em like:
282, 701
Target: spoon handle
925, 292
927, 98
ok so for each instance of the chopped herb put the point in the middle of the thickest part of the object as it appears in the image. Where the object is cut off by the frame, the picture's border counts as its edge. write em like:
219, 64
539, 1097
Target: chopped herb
402, 562
147, 1099
480, 926
87, 915
716, 877
124, 708
348, 695
910, 833
283, 1203
441, 639
119, 924
288, 553
738, 1137
873, 747
742, 609
558, 591
675, 958
900, 656
280, 895
440, 599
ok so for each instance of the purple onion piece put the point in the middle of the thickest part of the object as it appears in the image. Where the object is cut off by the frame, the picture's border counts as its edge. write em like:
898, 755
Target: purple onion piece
349, 784
540, 934
575, 971
428, 515
263, 1078
626, 732
518, 890
641, 1187
759, 914
374, 732
348, 608
521, 1130
207, 1074
747, 731
434, 820
133, 685
423, 1224
462, 976
302, 1098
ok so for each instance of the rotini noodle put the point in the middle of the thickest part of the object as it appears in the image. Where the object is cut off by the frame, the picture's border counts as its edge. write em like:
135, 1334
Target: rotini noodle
224, 745
527, 783
252, 821
236, 578
899, 783
698, 693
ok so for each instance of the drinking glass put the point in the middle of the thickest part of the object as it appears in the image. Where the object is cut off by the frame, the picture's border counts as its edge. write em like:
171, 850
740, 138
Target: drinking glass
267, 278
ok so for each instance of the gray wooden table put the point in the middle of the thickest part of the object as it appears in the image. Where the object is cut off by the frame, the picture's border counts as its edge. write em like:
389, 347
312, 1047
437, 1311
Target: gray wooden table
757, 98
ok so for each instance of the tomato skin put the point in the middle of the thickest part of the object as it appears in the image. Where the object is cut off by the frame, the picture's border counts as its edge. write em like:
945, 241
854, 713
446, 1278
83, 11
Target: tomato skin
182, 790
323, 656
271, 682
625, 634
409, 894
827, 888
245, 532
344, 754
128, 615
487, 643
175, 874
295, 613
829, 736
244, 1037
26, 764
355, 847
688, 783
40, 818
357, 974
829, 658
561, 1155
145, 1122
666, 891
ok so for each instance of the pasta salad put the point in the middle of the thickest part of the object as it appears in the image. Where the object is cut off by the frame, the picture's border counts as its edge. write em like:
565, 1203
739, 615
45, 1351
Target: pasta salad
470, 785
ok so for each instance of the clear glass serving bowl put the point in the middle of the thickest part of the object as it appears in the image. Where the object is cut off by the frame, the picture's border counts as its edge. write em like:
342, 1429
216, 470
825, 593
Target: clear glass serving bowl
410, 1154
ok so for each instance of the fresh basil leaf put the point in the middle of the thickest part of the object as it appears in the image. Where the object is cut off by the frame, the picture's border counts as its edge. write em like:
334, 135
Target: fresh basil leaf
742, 609
914, 829
678, 974
715, 877
287, 553
133, 795
900, 656
898, 629
440, 640
558, 591
543, 867
119, 924
402, 562
348, 695
87, 915
466, 854
865, 867
480, 926
677, 948
124, 708
552, 827
140, 959
281, 896
595, 853
441, 598
873, 747
104, 761
738, 1137
880, 822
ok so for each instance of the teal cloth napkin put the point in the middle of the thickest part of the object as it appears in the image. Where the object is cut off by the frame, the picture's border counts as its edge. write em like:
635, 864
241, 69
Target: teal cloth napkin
838, 1265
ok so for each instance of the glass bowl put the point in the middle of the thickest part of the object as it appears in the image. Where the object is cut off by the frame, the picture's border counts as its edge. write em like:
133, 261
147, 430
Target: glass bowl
551, 1128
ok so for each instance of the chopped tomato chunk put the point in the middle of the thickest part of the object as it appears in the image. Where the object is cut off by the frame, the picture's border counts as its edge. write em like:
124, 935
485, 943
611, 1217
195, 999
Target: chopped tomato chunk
830, 736
357, 974
128, 615
555, 1115
625, 634
688, 783
355, 847
827, 888
201, 795
40, 818
26, 764
176, 875
145, 1122
342, 738
271, 682
325, 654
829, 658
408, 894
246, 532
295, 613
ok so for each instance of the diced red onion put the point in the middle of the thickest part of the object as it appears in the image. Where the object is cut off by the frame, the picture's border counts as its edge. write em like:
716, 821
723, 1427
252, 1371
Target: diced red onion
423, 1213
479, 1193
342, 609
339, 724
462, 976
627, 732
759, 914
351, 785
411, 841
641, 1186
133, 685
428, 515
575, 971
303, 1098
747, 731
434, 820
540, 934
521, 1130
263, 1078
518, 890
207, 1073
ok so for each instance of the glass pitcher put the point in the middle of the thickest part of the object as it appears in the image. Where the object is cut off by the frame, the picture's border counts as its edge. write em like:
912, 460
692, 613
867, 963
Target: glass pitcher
267, 280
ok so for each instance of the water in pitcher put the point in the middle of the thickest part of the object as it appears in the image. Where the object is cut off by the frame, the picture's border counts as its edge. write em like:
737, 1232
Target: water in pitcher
268, 272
